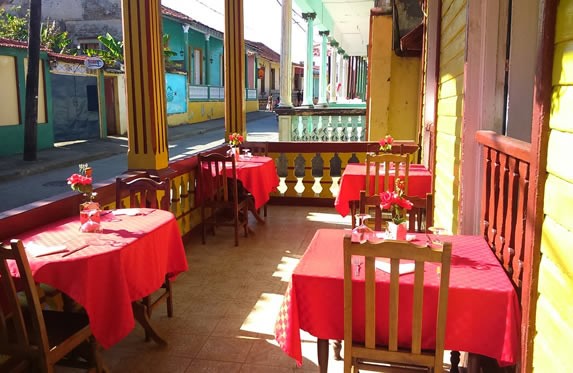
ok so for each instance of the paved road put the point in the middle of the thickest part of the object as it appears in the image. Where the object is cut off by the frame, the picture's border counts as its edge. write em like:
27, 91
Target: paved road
26, 182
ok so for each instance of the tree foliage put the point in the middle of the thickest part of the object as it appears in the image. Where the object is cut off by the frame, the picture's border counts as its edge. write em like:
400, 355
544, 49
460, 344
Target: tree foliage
113, 52
15, 27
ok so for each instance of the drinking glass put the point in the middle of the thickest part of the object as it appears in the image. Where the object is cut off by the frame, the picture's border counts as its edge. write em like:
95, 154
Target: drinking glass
437, 231
247, 153
361, 232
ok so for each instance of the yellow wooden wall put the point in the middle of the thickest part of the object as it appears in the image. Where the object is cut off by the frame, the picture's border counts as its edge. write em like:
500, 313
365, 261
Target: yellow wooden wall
449, 114
554, 319
201, 111
9, 115
394, 92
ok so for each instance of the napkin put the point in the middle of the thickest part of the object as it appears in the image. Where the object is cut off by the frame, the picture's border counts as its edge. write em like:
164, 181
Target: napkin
403, 267
37, 250
128, 212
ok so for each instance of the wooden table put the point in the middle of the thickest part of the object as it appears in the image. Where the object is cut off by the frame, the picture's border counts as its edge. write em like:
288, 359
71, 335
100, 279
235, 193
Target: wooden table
483, 309
117, 268
353, 180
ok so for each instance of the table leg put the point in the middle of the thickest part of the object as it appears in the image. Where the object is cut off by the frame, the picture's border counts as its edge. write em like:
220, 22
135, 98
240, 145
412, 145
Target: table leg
141, 316
322, 350
255, 212
454, 361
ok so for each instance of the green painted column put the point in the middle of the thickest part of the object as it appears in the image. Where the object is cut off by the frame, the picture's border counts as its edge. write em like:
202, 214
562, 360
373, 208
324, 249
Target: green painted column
101, 103
308, 70
323, 72
208, 59
186, 51
333, 70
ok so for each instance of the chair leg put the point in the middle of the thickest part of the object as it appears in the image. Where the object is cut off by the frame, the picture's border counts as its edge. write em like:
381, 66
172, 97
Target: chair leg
353, 213
265, 210
236, 212
169, 297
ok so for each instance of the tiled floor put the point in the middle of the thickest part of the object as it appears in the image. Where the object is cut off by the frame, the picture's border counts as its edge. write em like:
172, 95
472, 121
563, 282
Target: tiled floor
226, 304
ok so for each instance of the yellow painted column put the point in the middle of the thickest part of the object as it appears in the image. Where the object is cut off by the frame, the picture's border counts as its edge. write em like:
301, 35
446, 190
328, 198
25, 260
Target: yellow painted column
234, 46
379, 64
145, 85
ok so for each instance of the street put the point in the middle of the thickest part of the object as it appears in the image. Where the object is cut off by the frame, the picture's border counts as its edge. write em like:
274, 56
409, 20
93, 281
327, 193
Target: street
35, 187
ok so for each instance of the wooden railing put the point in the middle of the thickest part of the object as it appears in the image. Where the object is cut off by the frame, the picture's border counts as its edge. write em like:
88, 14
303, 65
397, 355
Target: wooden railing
505, 190
309, 174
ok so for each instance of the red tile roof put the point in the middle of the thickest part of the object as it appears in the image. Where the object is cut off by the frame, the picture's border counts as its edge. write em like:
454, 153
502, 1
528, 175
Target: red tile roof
263, 50
67, 57
11, 43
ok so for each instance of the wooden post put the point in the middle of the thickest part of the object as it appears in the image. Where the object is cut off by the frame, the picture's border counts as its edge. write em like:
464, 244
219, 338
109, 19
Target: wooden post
145, 85
234, 46
31, 116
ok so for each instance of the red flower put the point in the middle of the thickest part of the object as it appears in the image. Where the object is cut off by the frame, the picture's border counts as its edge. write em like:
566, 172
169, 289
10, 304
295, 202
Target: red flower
386, 144
235, 139
81, 182
395, 202
386, 200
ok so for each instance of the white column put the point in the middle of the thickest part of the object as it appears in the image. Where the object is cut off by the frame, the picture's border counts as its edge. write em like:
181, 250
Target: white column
322, 77
186, 51
308, 77
333, 67
286, 57
345, 76
340, 79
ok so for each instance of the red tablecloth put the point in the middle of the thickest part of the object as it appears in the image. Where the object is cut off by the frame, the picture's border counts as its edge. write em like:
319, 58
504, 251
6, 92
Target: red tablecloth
257, 174
483, 309
124, 263
353, 180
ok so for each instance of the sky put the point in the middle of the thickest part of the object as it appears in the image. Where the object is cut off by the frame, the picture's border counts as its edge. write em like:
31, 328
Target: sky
262, 21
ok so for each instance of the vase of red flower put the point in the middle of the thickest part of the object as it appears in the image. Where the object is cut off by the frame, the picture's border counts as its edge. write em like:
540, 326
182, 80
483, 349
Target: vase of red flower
89, 210
395, 202
386, 144
235, 139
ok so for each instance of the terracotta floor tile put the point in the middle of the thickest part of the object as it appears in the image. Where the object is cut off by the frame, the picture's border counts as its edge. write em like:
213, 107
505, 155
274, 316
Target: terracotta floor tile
226, 349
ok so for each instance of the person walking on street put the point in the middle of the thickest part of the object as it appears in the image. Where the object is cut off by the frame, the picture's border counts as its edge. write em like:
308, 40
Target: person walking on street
270, 103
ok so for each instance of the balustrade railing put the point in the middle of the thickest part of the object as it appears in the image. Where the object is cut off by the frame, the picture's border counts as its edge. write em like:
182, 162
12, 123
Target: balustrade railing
309, 174
505, 189
214, 93
322, 124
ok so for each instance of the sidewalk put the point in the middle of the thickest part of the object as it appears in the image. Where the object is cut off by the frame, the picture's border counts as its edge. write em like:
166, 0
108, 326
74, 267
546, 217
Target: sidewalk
70, 153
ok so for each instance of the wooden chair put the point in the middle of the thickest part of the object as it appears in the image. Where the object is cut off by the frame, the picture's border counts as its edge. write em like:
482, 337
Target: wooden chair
391, 163
421, 216
372, 353
143, 191
148, 192
218, 186
32, 339
371, 205
259, 149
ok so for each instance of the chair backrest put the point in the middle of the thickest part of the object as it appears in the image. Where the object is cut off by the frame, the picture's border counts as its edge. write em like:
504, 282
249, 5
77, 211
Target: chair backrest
372, 348
256, 148
392, 164
369, 204
143, 191
218, 178
23, 335
421, 215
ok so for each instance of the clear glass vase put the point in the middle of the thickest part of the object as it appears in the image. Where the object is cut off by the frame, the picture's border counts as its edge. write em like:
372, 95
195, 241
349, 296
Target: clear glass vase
90, 215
